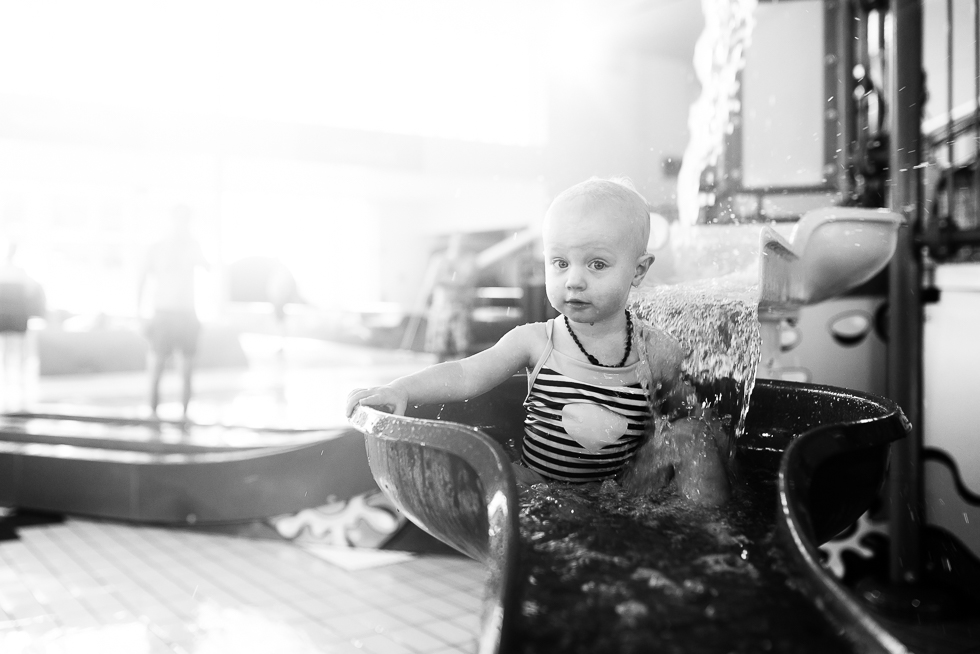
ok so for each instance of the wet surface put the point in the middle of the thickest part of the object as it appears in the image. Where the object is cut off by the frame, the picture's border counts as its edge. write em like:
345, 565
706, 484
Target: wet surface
608, 572
81, 585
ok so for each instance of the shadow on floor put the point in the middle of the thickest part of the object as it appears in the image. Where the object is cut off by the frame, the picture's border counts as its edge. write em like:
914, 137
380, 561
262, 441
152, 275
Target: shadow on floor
14, 519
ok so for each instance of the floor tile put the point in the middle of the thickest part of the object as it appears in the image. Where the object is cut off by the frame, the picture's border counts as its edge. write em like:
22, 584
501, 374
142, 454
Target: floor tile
379, 644
210, 593
448, 632
418, 639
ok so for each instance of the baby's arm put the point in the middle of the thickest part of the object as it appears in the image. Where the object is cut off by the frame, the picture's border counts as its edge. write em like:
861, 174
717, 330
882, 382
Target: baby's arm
673, 395
692, 436
456, 380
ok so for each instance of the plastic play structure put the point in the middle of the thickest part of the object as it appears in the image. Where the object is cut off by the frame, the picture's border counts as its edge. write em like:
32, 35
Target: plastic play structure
452, 477
165, 473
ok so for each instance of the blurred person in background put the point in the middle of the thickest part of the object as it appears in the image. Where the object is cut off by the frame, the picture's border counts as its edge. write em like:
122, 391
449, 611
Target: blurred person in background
21, 297
450, 285
172, 324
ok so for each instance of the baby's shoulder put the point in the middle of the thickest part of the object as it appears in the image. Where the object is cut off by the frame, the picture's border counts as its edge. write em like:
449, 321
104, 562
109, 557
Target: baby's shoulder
534, 334
530, 339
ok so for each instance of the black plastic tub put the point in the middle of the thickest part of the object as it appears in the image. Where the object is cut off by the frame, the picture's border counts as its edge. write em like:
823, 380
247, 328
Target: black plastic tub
819, 454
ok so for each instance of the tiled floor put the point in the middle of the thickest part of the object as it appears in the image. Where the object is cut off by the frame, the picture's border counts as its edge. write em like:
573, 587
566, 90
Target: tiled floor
94, 586
97, 586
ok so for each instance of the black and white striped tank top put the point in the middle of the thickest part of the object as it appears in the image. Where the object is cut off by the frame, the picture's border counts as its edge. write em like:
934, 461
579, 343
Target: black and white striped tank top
583, 422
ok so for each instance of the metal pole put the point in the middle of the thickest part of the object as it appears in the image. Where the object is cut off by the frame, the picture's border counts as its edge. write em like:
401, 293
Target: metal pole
905, 94
950, 137
976, 109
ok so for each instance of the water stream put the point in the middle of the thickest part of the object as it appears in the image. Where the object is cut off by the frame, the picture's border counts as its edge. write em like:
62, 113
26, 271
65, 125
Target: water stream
717, 322
719, 56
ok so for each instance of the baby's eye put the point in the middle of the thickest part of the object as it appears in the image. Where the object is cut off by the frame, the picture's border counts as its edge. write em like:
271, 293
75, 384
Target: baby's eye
599, 265
560, 263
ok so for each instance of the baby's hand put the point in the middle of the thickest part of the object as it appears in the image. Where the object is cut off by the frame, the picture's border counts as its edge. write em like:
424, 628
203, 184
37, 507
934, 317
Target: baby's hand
383, 397
525, 476
701, 470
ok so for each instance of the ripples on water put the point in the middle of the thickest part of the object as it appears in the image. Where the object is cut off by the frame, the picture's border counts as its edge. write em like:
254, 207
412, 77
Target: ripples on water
608, 571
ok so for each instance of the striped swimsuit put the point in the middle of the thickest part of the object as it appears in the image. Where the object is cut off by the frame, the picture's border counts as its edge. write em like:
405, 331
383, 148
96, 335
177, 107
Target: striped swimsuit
583, 422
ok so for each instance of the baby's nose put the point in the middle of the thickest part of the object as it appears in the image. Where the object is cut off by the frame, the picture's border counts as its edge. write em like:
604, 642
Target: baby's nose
575, 279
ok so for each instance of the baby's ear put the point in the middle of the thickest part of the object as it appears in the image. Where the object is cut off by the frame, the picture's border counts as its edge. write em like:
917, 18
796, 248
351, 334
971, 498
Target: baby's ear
643, 263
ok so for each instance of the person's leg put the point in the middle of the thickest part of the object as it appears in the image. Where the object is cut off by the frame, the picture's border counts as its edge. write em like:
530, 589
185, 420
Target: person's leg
461, 332
187, 368
158, 361
436, 331
156, 336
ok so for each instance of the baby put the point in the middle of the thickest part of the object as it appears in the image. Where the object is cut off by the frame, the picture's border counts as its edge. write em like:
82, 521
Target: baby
597, 375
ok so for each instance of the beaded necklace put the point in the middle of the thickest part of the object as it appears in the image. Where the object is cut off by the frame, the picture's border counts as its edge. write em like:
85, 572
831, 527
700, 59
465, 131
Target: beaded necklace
592, 359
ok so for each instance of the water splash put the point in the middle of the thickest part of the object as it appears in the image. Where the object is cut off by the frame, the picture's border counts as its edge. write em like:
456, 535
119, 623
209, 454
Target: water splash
608, 571
708, 252
717, 322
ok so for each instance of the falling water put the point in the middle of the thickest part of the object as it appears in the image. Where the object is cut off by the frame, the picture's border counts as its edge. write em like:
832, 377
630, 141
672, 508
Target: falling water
717, 322
719, 55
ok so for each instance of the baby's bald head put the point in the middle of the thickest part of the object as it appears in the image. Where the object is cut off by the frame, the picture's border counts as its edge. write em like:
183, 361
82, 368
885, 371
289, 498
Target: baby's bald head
627, 206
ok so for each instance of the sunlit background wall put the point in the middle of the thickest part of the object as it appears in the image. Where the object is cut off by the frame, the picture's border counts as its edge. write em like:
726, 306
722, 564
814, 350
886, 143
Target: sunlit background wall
343, 138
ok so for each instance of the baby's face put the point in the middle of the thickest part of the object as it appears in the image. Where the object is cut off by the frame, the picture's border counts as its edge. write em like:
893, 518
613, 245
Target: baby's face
591, 260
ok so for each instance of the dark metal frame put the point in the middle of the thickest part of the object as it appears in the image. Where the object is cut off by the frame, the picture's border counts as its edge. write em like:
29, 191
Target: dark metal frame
840, 125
